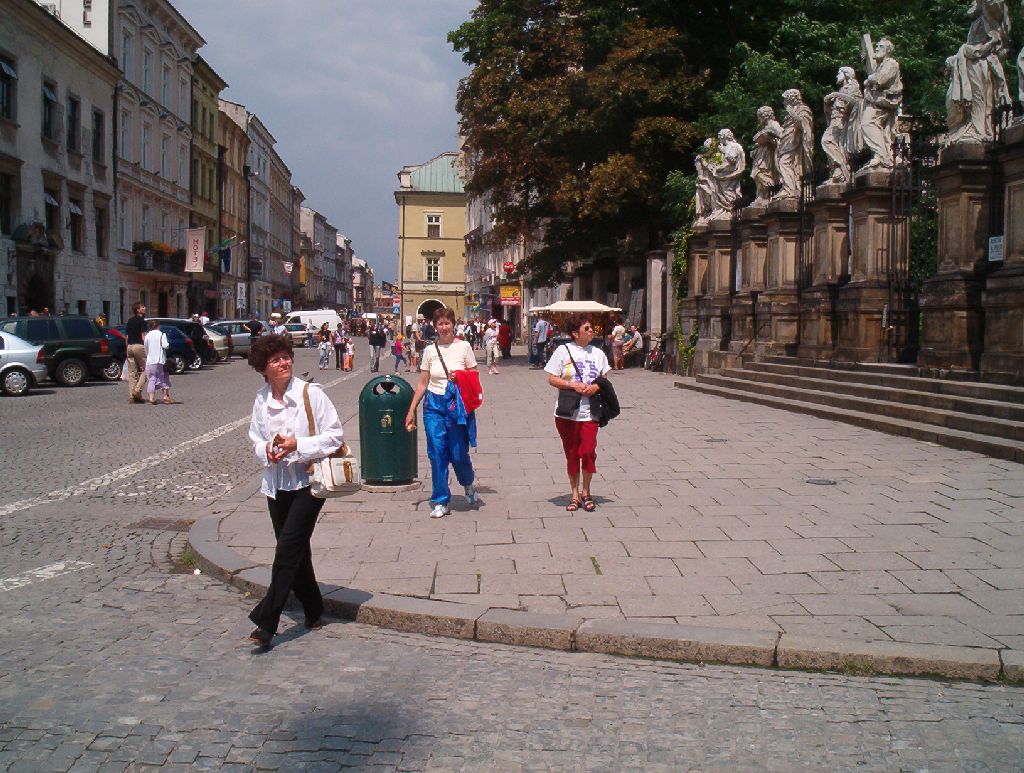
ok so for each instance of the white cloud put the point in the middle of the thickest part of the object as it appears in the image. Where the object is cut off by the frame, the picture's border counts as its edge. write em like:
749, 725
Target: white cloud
352, 89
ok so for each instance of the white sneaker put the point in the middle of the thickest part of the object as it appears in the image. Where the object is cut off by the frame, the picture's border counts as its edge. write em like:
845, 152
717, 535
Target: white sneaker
471, 494
440, 511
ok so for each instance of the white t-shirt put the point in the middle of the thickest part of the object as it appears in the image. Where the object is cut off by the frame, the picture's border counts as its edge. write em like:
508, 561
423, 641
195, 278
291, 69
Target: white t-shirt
591, 363
618, 333
156, 347
542, 328
458, 355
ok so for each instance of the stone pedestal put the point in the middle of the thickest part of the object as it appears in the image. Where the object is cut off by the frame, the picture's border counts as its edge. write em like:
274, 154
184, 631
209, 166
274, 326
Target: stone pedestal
715, 320
860, 303
830, 248
750, 281
657, 280
1003, 299
951, 301
778, 307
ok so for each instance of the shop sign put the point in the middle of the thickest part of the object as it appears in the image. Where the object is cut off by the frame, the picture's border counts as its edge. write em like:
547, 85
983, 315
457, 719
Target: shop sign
509, 295
195, 250
508, 267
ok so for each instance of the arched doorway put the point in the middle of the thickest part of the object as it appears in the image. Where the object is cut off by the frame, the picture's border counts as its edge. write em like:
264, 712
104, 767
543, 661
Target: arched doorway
428, 307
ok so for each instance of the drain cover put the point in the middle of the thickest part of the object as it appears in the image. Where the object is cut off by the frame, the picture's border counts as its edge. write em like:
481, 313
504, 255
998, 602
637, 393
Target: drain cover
820, 482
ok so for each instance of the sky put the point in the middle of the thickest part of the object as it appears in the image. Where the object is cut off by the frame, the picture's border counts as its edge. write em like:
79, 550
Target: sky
353, 90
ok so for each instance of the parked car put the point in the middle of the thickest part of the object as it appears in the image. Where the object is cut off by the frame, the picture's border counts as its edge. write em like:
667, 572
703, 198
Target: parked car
180, 351
200, 339
74, 347
238, 329
298, 333
22, 365
220, 341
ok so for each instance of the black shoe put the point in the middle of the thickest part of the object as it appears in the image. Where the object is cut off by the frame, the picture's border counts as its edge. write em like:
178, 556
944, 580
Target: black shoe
261, 636
314, 625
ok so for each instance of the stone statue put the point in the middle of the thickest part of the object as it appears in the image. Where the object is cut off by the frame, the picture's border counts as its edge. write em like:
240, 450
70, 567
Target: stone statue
707, 189
1020, 69
883, 94
795, 150
729, 171
843, 136
977, 82
764, 171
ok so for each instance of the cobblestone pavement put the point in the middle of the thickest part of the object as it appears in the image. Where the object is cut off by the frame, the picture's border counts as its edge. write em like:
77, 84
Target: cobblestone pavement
114, 657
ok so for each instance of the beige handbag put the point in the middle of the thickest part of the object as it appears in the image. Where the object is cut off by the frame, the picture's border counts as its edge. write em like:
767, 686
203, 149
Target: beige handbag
333, 475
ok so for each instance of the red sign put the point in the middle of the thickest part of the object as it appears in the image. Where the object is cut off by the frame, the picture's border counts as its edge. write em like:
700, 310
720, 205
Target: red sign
508, 267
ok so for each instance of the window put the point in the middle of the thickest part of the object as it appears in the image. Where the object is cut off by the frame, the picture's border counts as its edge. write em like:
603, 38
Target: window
87, 13
182, 165
98, 137
124, 143
147, 66
122, 222
126, 55
165, 85
76, 225
144, 156
195, 176
101, 231
145, 223
73, 119
162, 236
231, 197
82, 305
210, 185
8, 88
164, 142
49, 111
78, 328
51, 200
183, 100
6, 202
433, 269
39, 330
433, 227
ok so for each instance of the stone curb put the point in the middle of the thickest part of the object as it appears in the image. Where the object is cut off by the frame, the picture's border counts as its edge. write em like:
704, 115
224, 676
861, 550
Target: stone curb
657, 641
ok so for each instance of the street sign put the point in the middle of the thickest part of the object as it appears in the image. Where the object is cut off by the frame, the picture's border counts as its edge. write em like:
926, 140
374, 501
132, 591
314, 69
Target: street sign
508, 267
996, 248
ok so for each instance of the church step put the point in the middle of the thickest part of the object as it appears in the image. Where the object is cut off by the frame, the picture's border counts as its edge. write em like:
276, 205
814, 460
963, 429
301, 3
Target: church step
972, 389
960, 439
818, 381
1011, 430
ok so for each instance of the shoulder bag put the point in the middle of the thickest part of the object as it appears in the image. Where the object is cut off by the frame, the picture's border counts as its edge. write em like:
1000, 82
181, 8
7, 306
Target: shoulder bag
569, 399
333, 475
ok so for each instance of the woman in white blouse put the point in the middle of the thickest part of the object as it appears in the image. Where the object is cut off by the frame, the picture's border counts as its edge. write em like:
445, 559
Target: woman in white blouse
285, 445
448, 440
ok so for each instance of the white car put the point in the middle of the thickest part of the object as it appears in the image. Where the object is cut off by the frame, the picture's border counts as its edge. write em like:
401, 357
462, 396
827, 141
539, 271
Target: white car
22, 366
218, 342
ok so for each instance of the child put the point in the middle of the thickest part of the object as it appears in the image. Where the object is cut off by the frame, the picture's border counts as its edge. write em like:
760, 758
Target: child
410, 352
350, 350
325, 351
398, 349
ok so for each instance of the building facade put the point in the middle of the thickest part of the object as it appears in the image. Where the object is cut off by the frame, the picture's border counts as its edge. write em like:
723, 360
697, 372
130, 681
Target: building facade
281, 260
344, 255
233, 151
431, 237
362, 286
319, 248
204, 292
56, 167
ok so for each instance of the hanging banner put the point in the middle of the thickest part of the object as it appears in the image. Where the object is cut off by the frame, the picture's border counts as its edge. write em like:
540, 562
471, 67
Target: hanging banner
240, 298
195, 249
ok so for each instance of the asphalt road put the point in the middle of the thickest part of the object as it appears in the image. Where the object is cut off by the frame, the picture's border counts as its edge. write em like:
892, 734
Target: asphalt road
114, 656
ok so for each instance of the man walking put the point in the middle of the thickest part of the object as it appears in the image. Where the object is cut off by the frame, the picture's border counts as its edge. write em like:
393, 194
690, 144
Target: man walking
135, 352
541, 331
378, 340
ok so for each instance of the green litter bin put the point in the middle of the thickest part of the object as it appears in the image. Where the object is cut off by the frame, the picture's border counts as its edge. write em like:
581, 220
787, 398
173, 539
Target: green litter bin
387, 450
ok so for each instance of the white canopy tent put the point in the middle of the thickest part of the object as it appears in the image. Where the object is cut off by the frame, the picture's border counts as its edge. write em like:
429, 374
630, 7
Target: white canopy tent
574, 307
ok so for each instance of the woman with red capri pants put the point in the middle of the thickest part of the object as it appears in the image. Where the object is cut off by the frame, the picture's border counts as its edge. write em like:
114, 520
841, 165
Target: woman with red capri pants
572, 370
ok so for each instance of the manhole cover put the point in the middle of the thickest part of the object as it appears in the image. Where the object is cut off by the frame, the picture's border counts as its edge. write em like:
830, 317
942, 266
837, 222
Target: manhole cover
164, 524
820, 482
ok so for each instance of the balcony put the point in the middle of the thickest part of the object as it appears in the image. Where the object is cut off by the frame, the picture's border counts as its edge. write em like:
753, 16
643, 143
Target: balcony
157, 257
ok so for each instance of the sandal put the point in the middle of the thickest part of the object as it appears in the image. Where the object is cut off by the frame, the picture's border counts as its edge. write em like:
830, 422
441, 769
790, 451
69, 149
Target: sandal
588, 504
573, 506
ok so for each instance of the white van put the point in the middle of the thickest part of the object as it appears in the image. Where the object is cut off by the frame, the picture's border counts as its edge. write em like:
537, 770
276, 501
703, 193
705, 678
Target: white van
316, 316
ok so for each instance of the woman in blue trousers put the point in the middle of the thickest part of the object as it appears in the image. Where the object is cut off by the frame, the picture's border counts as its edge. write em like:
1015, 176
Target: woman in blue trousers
449, 429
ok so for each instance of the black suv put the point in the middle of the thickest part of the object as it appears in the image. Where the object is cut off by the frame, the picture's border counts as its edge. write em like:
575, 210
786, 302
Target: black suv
74, 347
195, 331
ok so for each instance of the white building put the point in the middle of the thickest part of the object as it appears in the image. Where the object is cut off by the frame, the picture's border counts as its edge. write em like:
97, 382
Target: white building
56, 176
344, 255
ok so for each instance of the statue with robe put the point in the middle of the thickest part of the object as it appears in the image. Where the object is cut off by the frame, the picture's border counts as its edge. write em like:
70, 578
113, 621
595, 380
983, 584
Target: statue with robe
843, 137
795, 151
707, 188
729, 171
977, 81
883, 95
763, 170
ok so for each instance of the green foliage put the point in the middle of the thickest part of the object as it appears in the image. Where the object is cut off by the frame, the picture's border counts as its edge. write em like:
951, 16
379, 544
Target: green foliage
687, 346
924, 239
680, 206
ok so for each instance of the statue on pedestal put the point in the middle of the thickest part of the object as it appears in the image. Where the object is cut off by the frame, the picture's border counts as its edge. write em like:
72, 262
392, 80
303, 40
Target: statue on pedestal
843, 136
883, 94
720, 166
794, 154
1020, 70
764, 171
707, 189
977, 82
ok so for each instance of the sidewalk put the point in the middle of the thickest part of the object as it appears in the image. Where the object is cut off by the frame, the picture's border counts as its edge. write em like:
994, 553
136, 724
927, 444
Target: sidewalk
710, 542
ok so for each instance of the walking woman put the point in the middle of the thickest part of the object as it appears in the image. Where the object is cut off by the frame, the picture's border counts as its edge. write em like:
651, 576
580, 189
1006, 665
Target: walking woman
572, 369
491, 350
284, 445
338, 339
156, 345
450, 431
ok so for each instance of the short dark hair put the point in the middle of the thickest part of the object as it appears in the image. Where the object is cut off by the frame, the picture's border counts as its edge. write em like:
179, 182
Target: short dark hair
574, 323
154, 324
265, 348
444, 313
136, 306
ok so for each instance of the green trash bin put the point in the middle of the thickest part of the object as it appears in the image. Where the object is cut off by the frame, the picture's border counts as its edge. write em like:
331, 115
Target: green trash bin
387, 450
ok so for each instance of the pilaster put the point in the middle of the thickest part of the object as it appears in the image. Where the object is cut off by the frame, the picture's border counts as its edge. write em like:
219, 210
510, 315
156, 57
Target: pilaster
750, 280
779, 303
830, 246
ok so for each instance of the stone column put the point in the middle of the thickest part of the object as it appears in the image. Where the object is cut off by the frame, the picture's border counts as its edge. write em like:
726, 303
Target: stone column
658, 277
830, 248
1003, 299
778, 307
750, 280
954, 318
860, 302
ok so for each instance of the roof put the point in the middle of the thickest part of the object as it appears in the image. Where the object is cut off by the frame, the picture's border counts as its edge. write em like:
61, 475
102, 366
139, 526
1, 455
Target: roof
439, 175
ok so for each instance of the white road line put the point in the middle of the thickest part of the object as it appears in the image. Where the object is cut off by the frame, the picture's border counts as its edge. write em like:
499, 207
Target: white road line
87, 486
42, 573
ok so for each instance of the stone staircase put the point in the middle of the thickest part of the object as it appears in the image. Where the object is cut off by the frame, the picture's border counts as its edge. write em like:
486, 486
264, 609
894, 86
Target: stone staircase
968, 415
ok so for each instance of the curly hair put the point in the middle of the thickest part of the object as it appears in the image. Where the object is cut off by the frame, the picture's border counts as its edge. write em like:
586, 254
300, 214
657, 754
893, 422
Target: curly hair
574, 323
444, 313
265, 348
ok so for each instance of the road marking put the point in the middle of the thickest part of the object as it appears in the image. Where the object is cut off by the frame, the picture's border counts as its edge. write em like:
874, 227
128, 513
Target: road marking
42, 573
88, 486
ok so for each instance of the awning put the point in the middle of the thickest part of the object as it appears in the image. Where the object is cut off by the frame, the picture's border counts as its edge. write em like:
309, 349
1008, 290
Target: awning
579, 307
75, 209
50, 201
48, 93
7, 70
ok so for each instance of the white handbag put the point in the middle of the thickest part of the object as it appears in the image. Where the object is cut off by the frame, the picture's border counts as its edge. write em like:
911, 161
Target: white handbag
333, 475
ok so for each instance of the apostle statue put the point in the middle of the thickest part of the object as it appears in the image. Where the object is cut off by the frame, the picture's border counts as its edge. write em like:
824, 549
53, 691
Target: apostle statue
794, 153
1020, 70
764, 171
729, 171
707, 189
883, 94
843, 136
977, 82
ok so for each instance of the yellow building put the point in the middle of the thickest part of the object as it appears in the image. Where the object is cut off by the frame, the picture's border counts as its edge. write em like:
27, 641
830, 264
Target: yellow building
431, 237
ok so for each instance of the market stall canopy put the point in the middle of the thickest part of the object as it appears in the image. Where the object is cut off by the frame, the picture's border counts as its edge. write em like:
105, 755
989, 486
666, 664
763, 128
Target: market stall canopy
575, 307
